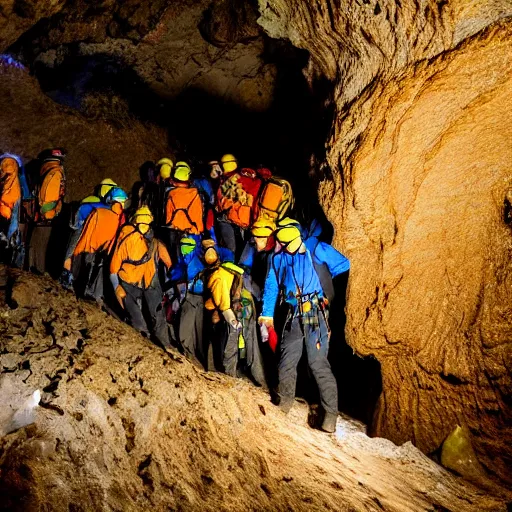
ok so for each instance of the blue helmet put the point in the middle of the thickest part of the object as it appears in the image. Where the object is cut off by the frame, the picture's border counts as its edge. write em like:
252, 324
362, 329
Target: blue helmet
116, 195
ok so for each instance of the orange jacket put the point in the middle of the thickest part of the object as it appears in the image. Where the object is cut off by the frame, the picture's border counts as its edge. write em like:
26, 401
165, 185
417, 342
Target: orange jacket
52, 190
10, 192
135, 259
99, 231
184, 209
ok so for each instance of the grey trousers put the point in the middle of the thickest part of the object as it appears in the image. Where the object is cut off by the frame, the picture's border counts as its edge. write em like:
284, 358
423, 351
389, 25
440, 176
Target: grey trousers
149, 299
294, 337
191, 327
254, 359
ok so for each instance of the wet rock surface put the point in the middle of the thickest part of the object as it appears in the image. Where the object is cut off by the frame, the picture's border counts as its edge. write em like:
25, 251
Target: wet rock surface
123, 426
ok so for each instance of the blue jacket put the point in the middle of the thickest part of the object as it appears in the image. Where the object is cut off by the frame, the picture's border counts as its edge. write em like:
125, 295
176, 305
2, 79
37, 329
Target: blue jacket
84, 210
205, 188
294, 274
190, 266
324, 253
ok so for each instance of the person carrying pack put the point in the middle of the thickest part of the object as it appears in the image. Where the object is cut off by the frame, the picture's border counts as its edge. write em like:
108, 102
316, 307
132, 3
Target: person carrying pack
190, 271
86, 207
49, 193
293, 277
184, 210
94, 246
52, 189
232, 306
10, 201
236, 201
134, 276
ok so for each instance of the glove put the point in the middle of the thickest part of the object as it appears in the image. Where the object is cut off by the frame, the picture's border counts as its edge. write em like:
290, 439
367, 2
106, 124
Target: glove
272, 338
264, 333
267, 320
67, 264
120, 295
231, 319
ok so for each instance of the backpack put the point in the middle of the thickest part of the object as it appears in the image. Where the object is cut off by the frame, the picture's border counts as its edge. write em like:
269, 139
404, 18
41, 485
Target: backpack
276, 199
184, 210
51, 191
237, 196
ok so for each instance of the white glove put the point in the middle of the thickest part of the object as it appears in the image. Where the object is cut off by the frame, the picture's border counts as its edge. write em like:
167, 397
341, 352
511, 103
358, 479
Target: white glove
231, 319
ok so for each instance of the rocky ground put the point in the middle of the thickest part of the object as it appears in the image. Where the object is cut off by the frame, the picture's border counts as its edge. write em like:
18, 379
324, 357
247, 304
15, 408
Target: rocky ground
121, 425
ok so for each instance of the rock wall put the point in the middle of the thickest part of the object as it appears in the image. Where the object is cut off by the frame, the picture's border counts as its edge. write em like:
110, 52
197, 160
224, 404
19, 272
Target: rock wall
419, 158
31, 122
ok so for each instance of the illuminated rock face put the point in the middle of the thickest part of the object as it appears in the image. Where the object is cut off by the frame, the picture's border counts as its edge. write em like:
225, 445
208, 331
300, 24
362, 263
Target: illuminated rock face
419, 159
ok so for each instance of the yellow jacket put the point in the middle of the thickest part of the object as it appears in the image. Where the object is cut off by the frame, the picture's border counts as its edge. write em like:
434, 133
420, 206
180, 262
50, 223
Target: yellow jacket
220, 285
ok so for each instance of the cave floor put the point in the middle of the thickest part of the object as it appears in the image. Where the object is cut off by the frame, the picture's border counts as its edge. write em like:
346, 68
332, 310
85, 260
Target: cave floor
124, 426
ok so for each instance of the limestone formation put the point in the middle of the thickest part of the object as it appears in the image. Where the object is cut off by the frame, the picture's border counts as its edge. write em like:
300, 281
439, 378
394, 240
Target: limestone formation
419, 158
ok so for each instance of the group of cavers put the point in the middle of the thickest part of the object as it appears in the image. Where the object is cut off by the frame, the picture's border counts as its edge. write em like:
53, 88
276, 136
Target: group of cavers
212, 264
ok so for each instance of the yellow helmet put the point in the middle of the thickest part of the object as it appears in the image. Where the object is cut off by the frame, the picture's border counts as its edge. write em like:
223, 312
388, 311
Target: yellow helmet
229, 163
142, 216
166, 165
90, 199
290, 238
105, 186
288, 221
181, 172
263, 228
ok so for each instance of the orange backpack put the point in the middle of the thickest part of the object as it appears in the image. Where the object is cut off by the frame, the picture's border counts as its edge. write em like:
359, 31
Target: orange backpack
276, 199
184, 210
237, 196
52, 190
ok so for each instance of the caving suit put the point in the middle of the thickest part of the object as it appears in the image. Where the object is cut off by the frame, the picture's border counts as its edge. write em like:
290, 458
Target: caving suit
84, 210
256, 264
190, 270
94, 246
10, 195
134, 263
293, 278
225, 286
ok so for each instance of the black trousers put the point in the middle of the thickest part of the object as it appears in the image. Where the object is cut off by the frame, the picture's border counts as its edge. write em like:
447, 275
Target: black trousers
191, 327
148, 300
231, 237
294, 336
254, 360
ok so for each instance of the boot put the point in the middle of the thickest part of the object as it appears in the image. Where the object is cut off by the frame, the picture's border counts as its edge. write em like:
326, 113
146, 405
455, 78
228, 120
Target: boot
285, 404
329, 423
